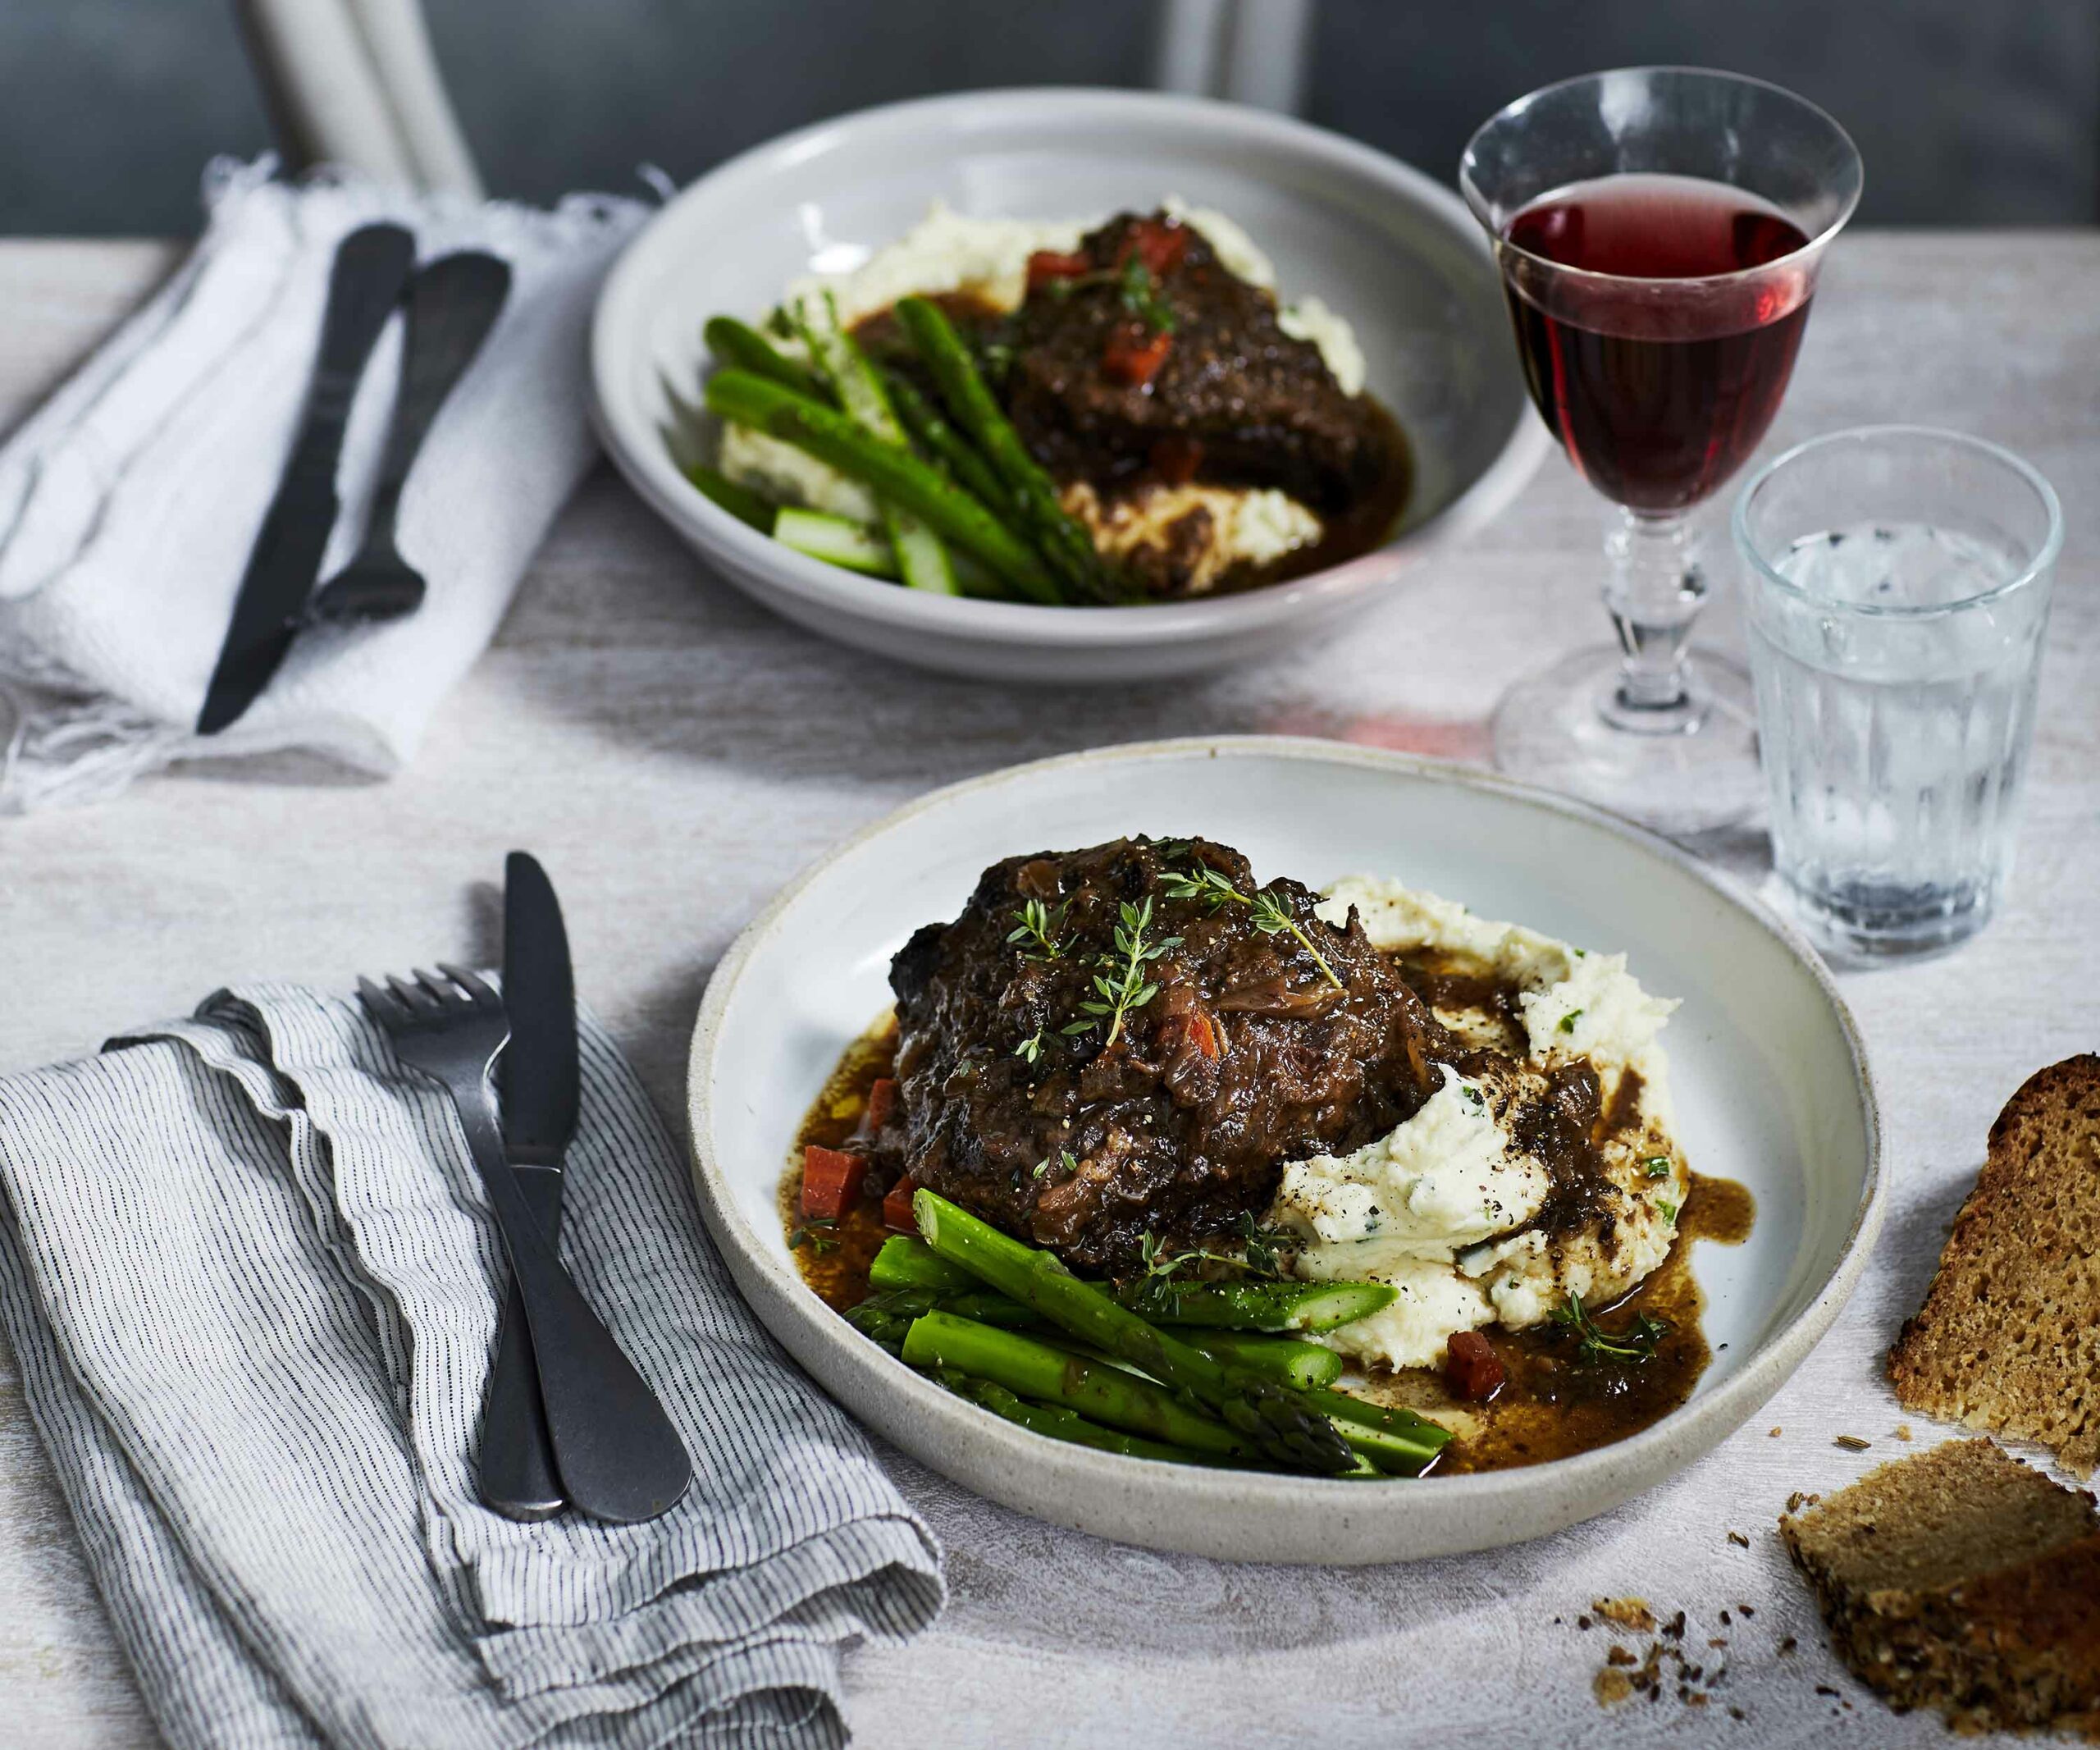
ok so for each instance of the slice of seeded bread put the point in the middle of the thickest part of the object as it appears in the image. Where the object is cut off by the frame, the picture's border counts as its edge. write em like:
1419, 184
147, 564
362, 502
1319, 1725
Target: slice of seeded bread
1961, 1580
2009, 1336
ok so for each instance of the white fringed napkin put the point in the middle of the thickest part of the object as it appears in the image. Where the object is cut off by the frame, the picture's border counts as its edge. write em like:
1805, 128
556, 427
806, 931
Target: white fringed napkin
129, 501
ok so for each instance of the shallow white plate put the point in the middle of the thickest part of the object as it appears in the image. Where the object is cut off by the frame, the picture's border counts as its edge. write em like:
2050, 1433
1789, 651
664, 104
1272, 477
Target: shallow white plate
1770, 1081
1395, 252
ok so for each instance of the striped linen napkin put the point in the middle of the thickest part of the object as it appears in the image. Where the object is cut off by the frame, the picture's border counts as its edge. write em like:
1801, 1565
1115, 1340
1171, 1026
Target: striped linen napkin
252, 1280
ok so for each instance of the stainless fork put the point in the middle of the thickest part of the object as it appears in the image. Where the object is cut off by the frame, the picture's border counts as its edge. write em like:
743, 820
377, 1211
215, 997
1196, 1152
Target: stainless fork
618, 1455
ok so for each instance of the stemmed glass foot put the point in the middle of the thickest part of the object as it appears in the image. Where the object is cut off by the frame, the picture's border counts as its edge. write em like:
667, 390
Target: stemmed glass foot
1680, 768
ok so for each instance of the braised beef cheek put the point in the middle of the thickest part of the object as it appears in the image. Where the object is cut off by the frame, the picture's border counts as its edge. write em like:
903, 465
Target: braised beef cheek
1244, 1056
1235, 401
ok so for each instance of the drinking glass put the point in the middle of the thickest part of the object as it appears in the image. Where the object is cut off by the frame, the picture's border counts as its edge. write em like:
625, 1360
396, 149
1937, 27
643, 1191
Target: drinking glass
1659, 230
1896, 586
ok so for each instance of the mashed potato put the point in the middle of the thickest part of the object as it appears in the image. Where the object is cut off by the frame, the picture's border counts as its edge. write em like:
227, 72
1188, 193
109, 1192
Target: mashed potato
948, 252
1439, 1207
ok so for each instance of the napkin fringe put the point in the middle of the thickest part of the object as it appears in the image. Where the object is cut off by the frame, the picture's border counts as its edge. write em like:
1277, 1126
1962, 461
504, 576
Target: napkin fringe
82, 748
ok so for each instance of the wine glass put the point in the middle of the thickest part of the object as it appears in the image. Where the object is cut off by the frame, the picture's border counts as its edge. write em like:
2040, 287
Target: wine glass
1659, 230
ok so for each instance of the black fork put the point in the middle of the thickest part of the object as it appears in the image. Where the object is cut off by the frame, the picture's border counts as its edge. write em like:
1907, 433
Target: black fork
618, 1455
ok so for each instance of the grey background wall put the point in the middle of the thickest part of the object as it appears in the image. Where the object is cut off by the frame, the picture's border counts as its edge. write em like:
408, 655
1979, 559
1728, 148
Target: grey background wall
1966, 113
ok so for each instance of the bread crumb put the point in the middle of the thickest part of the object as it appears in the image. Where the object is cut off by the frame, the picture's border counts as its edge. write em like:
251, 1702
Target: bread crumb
1621, 1655
1902, 1431
1611, 1686
1628, 1613
1775, 1434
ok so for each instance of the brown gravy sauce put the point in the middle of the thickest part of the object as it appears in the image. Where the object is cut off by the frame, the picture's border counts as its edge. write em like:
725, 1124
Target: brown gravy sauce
1554, 1405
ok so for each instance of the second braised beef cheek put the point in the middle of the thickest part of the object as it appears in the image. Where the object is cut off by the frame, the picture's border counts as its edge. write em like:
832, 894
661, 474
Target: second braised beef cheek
1243, 1057
1231, 398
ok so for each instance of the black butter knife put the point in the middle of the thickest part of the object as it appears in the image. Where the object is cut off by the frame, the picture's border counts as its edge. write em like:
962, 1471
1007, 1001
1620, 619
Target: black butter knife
372, 267
538, 1086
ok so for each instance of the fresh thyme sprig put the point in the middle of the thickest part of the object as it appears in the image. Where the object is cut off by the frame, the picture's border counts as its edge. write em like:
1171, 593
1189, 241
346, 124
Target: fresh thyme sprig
1137, 289
1262, 1243
1636, 1343
1037, 923
1159, 1263
818, 1233
1122, 985
1140, 293
1267, 910
1064, 1158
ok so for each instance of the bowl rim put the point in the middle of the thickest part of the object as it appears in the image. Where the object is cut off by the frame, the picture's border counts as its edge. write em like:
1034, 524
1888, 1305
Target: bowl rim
630, 439
1655, 1451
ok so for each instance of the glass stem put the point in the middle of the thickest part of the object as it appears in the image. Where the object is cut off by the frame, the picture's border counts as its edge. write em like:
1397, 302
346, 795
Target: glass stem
1654, 589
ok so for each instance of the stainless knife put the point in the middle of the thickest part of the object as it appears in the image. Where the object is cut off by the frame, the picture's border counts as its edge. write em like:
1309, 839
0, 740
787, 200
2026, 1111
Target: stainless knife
538, 1086
371, 266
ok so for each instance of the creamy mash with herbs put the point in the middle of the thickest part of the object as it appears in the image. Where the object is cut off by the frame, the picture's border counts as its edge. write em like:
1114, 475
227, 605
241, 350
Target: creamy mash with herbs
1448, 1206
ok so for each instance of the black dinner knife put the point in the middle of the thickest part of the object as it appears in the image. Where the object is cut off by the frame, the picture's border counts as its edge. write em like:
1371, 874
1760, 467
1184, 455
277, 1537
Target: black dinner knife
372, 267
538, 1086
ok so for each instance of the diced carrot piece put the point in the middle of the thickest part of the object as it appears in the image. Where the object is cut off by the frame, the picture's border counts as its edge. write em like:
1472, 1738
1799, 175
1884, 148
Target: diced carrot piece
1471, 1369
882, 1102
831, 1182
1159, 244
1176, 460
1045, 265
1135, 359
897, 1208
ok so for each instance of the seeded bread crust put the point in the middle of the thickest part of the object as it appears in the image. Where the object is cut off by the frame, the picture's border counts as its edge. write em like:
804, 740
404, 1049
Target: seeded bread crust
1961, 1580
2008, 1338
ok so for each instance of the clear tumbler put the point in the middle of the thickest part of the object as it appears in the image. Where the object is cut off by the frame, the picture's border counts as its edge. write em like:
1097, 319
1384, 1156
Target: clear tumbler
1896, 590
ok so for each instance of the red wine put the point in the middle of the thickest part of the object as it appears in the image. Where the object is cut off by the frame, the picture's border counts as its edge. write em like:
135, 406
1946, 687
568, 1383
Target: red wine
1658, 396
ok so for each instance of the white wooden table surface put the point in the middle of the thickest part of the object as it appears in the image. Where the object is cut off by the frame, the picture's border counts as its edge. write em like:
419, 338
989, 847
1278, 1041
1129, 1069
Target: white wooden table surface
674, 755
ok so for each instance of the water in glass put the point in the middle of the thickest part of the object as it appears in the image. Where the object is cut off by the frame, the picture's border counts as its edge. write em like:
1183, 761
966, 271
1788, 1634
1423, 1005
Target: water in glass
1895, 741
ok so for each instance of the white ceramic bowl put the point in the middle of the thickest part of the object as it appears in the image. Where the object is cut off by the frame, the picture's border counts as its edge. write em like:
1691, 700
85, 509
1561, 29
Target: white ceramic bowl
1393, 251
1770, 1082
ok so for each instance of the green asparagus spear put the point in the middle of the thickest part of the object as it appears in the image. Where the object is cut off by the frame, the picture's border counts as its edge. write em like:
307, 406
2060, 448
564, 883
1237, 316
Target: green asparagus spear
920, 556
905, 1261
1397, 1441
1058, 1423
1255, 1306
944, 443
1285, 1358
891, 469
837, 540
1065, 544
886, 1314
739, 501
1051, 1375
743, 347
884, 1319
1276, 1419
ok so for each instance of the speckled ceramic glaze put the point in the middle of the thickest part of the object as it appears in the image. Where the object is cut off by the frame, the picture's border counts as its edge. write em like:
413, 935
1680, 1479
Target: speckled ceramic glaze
1391, 250
1770, 1076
